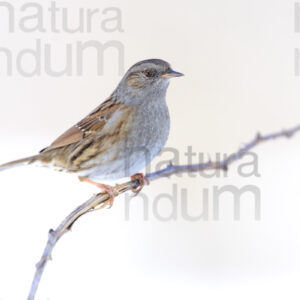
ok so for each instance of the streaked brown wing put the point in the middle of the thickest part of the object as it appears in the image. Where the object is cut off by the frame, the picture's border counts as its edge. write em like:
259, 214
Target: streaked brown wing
93, 122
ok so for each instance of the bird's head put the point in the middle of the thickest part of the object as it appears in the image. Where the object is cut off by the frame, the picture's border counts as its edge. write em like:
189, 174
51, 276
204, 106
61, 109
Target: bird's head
149, 76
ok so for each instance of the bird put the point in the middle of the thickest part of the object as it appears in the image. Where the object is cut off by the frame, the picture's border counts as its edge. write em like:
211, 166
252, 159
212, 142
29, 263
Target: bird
120, 137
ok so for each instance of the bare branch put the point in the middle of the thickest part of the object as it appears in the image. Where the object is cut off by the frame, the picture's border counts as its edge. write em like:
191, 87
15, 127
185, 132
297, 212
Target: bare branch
99, 201
96, 202
173, 169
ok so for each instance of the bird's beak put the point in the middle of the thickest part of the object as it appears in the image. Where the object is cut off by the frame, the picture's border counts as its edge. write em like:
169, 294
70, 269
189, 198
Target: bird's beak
171, 73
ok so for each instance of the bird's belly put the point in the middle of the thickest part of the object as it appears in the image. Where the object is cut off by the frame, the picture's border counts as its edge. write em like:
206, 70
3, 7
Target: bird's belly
121, 162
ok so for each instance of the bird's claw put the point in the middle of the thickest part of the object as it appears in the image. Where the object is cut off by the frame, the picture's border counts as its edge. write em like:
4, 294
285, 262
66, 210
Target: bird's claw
142, 180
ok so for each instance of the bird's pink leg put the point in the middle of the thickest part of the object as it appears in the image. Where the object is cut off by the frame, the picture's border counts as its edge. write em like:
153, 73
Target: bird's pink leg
104, 187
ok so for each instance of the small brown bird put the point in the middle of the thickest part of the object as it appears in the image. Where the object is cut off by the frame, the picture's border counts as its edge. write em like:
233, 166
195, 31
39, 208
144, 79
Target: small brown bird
121, 136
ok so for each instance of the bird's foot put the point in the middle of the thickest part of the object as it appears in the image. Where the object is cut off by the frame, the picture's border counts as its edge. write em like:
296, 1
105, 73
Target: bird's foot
142, 180
105, 188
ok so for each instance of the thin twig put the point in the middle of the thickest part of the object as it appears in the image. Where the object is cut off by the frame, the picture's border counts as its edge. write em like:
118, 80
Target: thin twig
173, 169
100, 200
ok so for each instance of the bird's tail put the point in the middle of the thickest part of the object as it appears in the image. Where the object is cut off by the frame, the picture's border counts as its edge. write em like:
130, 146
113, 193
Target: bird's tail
18, 163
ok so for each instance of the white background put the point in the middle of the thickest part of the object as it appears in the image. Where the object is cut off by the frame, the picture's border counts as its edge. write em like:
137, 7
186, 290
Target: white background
238, 61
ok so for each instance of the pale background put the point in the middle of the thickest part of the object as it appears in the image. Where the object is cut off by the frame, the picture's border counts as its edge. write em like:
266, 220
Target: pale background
238, 61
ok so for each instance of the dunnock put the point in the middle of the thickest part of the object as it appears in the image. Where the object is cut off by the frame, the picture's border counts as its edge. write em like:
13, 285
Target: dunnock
121, 136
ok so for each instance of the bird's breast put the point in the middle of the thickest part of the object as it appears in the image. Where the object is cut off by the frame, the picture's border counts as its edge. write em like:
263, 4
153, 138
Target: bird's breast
150, 128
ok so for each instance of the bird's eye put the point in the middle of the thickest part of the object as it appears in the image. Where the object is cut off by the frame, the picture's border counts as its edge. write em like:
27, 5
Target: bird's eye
150, 73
